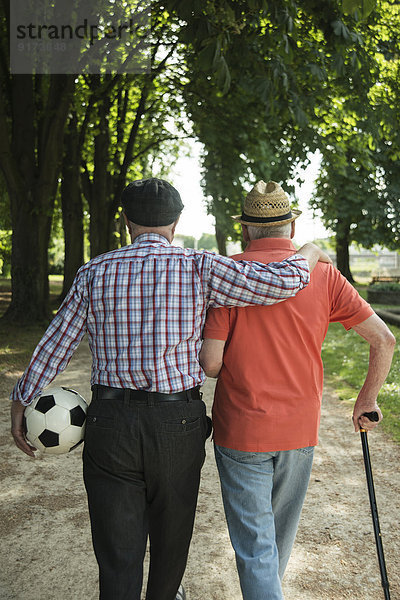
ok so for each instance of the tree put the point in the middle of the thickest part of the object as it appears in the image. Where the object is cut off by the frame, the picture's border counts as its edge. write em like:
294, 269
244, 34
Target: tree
123, 121
71, 201
275, 64
132, 117
385, 98
33, 112
347, 194
256, 79
358, 190
207, 242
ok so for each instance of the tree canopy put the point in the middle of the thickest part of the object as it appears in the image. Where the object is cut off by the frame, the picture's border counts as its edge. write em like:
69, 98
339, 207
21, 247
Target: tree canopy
264, 75
358, 188
260, 84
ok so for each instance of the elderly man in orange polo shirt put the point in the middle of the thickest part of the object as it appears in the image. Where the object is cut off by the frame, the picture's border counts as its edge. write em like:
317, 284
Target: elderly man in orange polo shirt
267, 401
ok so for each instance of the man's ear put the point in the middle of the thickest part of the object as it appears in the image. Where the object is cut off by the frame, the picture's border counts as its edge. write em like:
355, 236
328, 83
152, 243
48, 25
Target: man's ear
245, 233
175, 224
293, 230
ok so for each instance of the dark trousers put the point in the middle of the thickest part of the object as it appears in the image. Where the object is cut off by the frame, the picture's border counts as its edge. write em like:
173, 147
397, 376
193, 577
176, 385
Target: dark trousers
141, 463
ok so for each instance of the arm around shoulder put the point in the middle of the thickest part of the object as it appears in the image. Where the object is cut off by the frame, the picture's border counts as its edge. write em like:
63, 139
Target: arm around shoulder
313, 254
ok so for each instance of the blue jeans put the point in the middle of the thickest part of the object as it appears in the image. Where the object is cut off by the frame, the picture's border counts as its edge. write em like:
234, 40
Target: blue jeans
263, 494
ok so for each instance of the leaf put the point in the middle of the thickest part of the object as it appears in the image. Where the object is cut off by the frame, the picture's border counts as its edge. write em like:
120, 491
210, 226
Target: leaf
338, 64
230, 16
371, 143
354, 60
340, 29
286, 43
209, 56
223, 75
361, 8
299, 115
253, 5
317, 72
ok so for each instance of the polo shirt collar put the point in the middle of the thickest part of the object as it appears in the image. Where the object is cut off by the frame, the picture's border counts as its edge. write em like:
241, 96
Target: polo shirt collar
150, 238
270, 244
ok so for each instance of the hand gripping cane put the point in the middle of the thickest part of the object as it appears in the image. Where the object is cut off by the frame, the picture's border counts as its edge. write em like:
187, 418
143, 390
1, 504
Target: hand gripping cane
373, 416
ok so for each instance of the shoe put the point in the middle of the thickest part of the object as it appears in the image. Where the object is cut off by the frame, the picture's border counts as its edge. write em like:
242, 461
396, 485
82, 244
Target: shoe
181, 595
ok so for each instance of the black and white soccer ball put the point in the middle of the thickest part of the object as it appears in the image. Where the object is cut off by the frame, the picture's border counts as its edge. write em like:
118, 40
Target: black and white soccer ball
55, 421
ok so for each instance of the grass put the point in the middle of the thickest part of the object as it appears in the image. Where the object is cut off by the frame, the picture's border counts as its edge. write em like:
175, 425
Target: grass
345, 356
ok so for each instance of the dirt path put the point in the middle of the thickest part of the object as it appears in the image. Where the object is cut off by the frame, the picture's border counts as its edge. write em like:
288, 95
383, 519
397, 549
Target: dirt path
46, 551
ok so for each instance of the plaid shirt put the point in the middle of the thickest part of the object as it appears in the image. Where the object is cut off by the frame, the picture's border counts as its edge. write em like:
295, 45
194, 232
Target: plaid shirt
144, 306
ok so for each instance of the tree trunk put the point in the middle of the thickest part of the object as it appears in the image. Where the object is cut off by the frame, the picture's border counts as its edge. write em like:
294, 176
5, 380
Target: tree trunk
72, 206
342, 249
102, 214
221, 240
31, 151
29, 267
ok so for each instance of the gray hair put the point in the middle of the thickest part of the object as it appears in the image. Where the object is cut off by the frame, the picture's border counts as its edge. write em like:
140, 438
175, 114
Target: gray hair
278, 231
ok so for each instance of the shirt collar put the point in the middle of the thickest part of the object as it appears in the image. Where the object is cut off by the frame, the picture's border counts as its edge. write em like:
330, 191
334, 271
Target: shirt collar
150, 238
270, 244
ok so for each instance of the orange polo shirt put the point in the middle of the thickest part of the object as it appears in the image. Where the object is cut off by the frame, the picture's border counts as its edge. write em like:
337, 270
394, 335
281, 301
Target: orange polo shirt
269, 390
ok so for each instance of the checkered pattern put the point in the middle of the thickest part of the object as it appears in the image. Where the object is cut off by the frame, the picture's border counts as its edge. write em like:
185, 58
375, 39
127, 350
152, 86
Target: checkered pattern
143, 308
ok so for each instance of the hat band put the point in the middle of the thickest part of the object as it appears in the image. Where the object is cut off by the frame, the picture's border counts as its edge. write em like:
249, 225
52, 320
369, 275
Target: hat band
266, 219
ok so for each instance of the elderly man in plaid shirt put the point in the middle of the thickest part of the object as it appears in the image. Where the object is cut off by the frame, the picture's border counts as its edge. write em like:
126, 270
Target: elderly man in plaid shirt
143, 308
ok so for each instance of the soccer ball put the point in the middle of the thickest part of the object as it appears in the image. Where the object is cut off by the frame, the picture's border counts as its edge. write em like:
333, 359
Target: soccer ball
55, 421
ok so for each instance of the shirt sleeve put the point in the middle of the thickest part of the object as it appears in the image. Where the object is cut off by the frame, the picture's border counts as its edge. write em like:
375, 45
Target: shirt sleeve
55, 349
241, 283
347, 306
217, 324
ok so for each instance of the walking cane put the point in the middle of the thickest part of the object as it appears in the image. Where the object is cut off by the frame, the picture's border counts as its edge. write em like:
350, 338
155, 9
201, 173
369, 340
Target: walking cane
373, 416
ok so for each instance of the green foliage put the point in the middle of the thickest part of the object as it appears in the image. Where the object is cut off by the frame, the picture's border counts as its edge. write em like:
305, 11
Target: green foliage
188, 241
207, 242
5, 252
348, 189
345, 356
263, 83
326, 244
385, 286
360, 9
286, 62
133, 127
358, 187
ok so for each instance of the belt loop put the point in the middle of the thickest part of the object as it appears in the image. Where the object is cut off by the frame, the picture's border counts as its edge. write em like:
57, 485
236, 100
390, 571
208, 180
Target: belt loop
150, 399
95, 391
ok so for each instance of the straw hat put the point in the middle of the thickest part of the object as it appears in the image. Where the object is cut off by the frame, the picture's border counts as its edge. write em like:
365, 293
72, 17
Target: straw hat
267, 205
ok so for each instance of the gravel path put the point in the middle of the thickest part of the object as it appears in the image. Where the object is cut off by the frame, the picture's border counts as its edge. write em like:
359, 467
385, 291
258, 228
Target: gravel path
46, 551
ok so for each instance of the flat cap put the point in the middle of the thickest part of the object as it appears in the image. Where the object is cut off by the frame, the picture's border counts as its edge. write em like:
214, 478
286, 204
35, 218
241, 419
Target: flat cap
151, 202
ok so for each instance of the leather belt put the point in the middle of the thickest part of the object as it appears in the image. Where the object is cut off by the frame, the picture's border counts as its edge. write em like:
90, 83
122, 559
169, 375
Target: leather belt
104, 392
